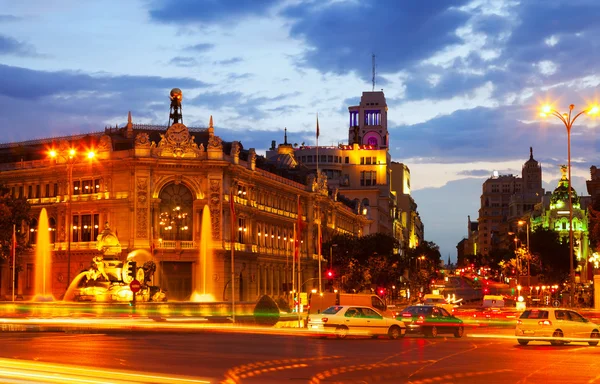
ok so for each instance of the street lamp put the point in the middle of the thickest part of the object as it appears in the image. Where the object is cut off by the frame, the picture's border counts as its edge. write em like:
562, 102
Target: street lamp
568, 119
70, 157
521, 222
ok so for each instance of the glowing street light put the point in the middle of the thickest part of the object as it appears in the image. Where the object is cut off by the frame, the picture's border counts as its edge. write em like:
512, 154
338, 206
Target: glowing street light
568, 119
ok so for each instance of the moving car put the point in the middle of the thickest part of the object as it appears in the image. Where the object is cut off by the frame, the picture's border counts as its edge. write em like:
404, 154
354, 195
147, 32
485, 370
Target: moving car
342, 320
431, 320
319, 302
438, 300
557, 326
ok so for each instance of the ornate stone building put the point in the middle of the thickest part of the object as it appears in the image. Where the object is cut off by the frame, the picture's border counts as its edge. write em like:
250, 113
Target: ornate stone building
151, 184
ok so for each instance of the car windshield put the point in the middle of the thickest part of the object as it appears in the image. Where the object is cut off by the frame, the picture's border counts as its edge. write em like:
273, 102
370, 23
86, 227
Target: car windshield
332, 310
418, 310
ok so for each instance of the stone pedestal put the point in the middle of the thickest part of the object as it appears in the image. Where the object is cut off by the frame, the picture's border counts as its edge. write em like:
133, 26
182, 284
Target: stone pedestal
597, 292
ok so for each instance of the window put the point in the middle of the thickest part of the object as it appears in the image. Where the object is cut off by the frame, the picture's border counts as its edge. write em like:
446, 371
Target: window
368, 161
242, 230
362, 161
85, 227
47, 190
330, 159
30, 192
347, 160
368, 178
38, 191
55, 190
175, 212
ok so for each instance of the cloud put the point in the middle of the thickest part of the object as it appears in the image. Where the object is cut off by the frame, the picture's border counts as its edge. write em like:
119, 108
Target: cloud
233, 60
254, 107
181, 61
342, 35
476, 173
23, 83
202, 47
207, 12
10, 46
8, 18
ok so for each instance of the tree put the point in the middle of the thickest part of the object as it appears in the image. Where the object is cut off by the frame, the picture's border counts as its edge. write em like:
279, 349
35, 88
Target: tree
594, 224
13, 211
552, 254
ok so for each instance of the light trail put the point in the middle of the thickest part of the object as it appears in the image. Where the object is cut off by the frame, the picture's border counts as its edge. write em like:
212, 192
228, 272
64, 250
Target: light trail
62, 373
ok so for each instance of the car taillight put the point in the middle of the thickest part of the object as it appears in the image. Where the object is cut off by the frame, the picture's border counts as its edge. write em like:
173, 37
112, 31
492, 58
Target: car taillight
308, 319
324, 319
544, 322
420, 320
407, 314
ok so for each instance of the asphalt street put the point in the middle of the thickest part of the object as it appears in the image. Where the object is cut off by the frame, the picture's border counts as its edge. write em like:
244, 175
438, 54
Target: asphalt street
231, 356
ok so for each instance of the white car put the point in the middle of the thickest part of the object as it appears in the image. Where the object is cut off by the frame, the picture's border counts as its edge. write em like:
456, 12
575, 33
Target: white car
557, 326
342, 320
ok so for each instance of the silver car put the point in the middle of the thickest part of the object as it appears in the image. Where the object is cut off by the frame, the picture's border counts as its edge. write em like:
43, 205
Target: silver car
557, 326
344, 320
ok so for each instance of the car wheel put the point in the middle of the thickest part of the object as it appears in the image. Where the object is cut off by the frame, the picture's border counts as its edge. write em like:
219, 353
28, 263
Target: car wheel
341, 332
558, 334
523, 342
595, 335
459, 332
394, 332
433, 331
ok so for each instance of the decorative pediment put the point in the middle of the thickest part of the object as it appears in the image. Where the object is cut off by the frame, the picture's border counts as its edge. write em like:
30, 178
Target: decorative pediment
142, 140
177, 142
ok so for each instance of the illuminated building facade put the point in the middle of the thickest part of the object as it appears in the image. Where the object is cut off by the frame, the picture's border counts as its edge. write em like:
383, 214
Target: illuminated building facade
505, 199
553, 213
362, 171
151, 184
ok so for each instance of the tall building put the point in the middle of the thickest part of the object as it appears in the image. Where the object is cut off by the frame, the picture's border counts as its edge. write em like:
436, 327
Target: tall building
553, 213
151, 184
362, 171
505, 199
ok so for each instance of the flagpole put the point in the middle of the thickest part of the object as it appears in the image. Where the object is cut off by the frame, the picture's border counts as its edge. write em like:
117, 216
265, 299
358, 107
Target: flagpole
294, 268
14, 255
232, 214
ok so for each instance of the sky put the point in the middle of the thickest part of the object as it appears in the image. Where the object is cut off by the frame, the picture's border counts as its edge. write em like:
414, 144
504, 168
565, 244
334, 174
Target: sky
463, 79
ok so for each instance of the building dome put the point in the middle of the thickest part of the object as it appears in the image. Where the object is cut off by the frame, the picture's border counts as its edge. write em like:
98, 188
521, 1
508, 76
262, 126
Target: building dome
560, 196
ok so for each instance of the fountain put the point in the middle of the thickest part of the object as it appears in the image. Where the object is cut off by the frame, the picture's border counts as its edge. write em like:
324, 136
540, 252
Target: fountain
108, 279
43, 271
204, 284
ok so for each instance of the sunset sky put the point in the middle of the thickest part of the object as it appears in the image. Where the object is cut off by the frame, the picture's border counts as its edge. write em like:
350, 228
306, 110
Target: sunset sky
463, 79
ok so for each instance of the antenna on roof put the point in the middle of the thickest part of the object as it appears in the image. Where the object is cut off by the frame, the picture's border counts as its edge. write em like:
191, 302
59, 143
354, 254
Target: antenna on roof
373, 64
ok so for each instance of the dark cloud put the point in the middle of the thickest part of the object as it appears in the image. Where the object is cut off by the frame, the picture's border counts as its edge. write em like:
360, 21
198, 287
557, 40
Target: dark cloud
23, 83
207, 11
344, 34
8, 18
10, 46
182, 61
476, 173
37, 104
233, 60
202, 47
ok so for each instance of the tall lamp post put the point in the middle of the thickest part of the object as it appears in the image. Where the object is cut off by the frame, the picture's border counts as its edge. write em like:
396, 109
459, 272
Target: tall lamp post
568, 119
70, 158
521, 222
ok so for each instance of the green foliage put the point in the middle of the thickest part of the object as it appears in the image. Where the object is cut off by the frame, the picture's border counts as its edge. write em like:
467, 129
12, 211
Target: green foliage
13, 211
594, 224
551, 255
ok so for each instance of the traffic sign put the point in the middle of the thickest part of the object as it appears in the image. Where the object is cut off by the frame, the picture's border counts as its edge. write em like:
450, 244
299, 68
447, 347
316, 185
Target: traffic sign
135, 286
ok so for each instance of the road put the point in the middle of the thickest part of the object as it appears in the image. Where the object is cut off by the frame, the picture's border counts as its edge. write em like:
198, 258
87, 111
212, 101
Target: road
490, 356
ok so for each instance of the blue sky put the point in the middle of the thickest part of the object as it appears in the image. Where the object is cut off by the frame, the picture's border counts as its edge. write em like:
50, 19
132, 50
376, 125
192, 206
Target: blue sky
463, 79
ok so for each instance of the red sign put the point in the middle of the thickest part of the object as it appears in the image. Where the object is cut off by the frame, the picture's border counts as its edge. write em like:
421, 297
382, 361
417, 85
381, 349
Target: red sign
135, 286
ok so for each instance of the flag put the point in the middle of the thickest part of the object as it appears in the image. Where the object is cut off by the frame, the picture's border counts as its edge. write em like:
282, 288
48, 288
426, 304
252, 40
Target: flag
14, 246
317, 125
298, 234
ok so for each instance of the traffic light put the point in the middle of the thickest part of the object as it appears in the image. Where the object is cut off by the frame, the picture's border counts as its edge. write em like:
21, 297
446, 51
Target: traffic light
132, 269
330, 274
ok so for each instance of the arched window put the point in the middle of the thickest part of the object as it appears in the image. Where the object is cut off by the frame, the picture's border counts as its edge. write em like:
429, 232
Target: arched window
372, 141
176, 222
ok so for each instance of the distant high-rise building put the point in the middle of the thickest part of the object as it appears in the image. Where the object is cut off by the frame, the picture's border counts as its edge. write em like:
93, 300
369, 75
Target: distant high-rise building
505, 199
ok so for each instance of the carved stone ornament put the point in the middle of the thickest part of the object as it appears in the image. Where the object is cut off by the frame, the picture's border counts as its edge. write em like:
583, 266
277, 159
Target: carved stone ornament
105, 143
235, 148
142, 140
215, 142
107, 242
177, 142
252, 155
142, 223
142, 190
215, 208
